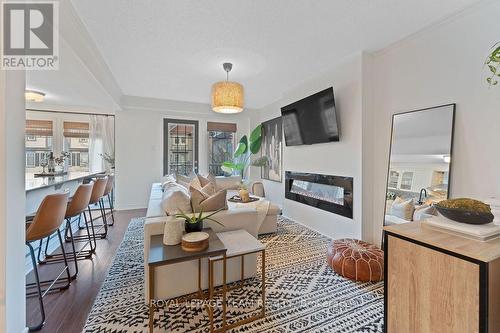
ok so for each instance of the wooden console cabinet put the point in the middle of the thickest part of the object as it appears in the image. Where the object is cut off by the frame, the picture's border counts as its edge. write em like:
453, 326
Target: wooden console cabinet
439, 282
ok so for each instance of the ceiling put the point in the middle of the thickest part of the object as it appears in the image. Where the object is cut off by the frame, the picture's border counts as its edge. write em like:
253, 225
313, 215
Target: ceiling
175, 49
70, 88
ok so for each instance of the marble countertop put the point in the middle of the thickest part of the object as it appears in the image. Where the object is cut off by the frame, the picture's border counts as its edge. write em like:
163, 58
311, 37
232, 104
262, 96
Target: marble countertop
34, 183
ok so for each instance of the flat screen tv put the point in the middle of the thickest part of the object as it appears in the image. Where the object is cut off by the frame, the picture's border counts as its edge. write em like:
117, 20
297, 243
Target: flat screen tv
311, 120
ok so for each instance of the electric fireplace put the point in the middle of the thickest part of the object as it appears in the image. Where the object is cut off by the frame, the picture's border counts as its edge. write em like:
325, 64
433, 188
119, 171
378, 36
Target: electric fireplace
330, 193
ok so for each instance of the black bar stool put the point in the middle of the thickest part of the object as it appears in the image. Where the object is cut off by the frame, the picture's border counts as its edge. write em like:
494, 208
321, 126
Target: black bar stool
47, 220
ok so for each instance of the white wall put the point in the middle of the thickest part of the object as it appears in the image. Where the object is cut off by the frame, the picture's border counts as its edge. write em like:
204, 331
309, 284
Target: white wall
442, 64
139, 143
12, 197
337, 158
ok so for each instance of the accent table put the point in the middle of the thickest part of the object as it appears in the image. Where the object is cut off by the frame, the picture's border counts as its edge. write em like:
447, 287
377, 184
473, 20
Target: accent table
239, 243
162, 255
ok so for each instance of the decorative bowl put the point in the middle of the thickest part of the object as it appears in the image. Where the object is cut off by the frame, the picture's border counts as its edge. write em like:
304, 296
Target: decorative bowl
465, 215
195, 241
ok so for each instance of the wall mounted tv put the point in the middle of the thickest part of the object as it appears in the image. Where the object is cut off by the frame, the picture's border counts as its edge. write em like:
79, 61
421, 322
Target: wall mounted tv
311, 120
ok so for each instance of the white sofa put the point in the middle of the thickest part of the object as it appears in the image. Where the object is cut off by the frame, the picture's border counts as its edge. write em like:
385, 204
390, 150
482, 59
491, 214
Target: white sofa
268, 226
182, 278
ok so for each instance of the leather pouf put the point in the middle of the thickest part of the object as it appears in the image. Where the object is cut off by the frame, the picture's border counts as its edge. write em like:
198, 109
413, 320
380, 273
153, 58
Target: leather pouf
356, 260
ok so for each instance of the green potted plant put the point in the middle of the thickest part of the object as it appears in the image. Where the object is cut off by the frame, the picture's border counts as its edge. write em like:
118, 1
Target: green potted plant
493, 63
194, 222
242, 157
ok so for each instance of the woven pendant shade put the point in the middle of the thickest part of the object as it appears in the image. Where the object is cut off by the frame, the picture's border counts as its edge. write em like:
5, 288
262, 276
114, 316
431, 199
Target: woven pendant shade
227, 97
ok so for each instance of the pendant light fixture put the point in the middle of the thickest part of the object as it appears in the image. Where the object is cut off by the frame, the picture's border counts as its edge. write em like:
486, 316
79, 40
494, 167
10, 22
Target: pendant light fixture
227, 96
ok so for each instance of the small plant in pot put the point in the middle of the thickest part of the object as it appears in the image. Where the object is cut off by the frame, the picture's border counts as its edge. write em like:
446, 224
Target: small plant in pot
194, 222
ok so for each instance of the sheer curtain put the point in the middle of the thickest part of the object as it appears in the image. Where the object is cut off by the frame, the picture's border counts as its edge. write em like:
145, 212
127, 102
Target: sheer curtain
102, 134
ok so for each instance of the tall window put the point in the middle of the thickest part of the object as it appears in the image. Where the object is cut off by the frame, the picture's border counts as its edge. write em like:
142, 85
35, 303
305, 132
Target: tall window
180, 146
221, 144
38, 143
76, 142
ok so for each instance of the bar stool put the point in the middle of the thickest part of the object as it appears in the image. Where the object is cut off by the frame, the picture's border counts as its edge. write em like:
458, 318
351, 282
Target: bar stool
47, 220
107, 194
76, 206
95, 198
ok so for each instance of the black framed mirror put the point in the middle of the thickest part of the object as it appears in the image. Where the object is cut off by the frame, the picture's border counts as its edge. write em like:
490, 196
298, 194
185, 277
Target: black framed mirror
420, 159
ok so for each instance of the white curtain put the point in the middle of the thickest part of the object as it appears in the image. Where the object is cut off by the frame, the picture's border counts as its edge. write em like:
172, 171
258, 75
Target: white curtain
101, 142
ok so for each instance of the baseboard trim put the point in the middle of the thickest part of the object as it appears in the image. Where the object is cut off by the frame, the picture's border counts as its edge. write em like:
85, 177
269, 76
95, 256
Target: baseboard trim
130, 207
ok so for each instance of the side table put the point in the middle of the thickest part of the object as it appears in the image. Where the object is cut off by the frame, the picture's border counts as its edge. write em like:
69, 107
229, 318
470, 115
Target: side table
162, 255
239, 243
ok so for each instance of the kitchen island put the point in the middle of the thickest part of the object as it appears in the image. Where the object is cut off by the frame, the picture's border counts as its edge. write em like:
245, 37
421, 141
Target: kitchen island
38, 187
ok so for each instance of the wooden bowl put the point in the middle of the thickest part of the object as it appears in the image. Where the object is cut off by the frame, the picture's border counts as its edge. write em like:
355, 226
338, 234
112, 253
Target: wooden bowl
464, 215
195, 241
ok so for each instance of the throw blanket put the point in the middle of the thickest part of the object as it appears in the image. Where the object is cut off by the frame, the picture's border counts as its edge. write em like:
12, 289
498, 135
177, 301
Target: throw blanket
262, 206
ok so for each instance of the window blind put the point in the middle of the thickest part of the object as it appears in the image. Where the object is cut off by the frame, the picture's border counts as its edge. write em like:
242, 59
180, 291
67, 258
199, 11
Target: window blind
221, 127
39, 127
74, 129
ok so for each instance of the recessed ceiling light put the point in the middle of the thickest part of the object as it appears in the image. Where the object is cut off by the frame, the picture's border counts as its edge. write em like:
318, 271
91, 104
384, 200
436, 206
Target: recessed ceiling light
34, 96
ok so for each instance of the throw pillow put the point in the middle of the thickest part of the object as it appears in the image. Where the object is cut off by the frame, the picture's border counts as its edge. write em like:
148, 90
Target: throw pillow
202, 201
195, 182
424, 212
403, 209
208, 180
176, 199
184, 180
168, 179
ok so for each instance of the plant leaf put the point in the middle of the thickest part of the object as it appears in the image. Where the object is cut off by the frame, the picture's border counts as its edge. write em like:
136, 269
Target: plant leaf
241, 148
256, 134
228, 164
239, 166
492, 69
211, 219
244, 141
255, 146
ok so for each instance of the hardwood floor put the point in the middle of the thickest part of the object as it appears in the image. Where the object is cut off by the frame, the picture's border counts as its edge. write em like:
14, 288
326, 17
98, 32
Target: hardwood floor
67, 311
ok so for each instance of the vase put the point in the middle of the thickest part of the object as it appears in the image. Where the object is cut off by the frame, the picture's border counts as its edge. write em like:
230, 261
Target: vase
244, 195
193, 227
173, 231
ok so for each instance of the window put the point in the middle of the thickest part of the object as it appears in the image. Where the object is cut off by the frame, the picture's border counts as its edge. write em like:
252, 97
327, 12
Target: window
393, 179
38, 143
76, 142
406, 180
221, 144
180, 146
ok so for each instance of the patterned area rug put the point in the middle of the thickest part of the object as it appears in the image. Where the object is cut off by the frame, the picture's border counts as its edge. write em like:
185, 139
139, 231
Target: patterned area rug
303, 293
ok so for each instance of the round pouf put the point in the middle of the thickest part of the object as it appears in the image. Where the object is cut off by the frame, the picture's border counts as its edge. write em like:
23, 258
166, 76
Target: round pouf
356, 260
